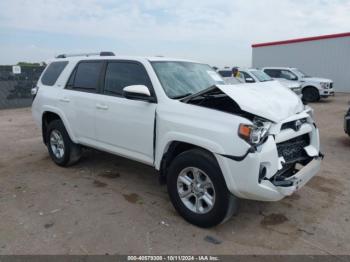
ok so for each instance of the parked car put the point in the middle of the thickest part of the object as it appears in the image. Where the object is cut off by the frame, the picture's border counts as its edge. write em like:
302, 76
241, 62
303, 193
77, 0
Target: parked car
252, 75
212, 143
313, 88
347, 122
227, 74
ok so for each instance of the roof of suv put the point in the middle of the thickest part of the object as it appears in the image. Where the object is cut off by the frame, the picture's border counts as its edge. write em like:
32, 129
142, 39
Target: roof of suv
116, 57
277, 67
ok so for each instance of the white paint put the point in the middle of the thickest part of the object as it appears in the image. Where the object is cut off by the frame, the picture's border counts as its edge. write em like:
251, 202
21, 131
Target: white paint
137, 89
126, 127
270, 100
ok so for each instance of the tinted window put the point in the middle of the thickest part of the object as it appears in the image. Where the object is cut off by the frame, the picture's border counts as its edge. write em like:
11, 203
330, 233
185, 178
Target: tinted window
225, 73
273, 72
122, 74
70, 82
52, 72
87, 76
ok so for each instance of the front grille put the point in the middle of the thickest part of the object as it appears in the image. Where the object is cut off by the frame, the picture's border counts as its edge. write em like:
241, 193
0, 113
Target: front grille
295, 125
293, 150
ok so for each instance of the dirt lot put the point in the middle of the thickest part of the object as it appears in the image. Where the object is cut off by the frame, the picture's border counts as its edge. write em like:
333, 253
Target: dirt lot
107, 204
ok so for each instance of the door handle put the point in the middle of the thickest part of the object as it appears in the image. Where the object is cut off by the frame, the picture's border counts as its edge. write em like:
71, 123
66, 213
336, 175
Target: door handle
102, 107
65, 99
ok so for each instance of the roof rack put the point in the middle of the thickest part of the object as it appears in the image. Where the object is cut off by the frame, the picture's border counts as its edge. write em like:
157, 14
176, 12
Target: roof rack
103, 53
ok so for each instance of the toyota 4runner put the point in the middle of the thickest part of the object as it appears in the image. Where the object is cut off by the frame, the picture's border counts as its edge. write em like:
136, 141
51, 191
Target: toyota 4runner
211, 143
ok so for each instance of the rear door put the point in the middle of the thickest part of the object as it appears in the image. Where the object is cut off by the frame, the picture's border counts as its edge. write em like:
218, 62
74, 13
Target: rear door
124, 126
78, 99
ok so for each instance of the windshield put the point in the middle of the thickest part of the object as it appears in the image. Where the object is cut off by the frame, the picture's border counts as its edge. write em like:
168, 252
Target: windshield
300, 73
261, 76
180, 79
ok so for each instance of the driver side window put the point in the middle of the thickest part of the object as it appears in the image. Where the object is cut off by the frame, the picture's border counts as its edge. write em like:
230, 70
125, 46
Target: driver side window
122, 74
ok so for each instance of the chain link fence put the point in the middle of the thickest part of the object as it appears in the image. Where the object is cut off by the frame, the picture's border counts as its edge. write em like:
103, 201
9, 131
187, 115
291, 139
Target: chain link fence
15, 88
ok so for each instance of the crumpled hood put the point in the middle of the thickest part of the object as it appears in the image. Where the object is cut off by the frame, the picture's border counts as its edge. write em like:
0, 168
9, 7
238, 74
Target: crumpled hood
270, 100
316, 80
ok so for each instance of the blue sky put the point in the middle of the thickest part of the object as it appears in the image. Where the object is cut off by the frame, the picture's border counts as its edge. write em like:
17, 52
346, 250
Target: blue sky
215, 32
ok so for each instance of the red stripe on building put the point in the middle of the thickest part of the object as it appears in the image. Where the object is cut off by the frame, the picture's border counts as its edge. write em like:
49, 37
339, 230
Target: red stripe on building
305, 39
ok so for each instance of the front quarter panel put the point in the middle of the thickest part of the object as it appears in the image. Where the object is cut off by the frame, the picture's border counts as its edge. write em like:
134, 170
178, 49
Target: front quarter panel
210, 129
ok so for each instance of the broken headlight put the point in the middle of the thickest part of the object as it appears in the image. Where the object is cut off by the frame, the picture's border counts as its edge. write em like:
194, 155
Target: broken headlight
256, 133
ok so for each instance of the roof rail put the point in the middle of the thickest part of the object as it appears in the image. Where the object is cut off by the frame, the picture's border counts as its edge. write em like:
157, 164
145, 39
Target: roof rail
103, 53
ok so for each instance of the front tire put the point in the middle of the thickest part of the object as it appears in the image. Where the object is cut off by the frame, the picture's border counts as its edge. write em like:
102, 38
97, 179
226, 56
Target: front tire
61, 148
311, 94
198, 190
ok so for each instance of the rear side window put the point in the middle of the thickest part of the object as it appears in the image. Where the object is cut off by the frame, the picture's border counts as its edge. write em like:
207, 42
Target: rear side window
122, 74
86, 76
52, 73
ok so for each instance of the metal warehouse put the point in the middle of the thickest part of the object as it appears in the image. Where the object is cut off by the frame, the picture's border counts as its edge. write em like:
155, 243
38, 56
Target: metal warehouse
321, 56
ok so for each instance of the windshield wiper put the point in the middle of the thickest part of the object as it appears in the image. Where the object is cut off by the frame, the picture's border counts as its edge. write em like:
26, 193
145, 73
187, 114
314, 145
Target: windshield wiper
181, 96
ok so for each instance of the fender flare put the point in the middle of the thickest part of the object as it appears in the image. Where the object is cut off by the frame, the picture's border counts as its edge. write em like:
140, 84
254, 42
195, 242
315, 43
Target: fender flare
171, 137
57, 111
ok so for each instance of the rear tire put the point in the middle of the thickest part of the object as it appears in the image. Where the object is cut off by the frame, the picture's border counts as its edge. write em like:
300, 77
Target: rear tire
311, 94
61, 148
205, 201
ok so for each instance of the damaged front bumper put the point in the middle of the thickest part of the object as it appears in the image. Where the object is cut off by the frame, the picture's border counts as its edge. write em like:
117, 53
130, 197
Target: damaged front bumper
273, 171
301, 177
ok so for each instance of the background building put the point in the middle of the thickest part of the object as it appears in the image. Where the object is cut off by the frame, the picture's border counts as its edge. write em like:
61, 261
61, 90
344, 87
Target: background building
325, 56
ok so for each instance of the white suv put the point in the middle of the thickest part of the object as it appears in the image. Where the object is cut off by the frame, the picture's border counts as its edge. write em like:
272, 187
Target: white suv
313, 88
211, 143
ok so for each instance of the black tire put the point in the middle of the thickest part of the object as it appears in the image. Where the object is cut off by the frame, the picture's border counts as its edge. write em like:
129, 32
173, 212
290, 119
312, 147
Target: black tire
225, 204
311, 94
72, 151
348, 128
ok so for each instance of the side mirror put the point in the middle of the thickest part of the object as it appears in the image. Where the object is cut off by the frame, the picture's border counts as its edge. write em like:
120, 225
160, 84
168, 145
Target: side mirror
249, 80
138, 92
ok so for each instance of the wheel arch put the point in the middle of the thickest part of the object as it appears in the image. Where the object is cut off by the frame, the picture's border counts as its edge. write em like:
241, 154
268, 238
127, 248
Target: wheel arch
171, 140
309, 86
50, 114
173, 149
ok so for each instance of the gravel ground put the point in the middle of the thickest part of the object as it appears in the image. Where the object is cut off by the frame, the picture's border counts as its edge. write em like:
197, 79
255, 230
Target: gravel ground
107, 204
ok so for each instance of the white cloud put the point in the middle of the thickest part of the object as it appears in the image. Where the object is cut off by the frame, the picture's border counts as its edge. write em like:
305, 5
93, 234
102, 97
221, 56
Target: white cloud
219, 32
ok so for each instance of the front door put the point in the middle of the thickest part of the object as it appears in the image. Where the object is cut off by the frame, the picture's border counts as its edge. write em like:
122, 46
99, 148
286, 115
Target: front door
125, 126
